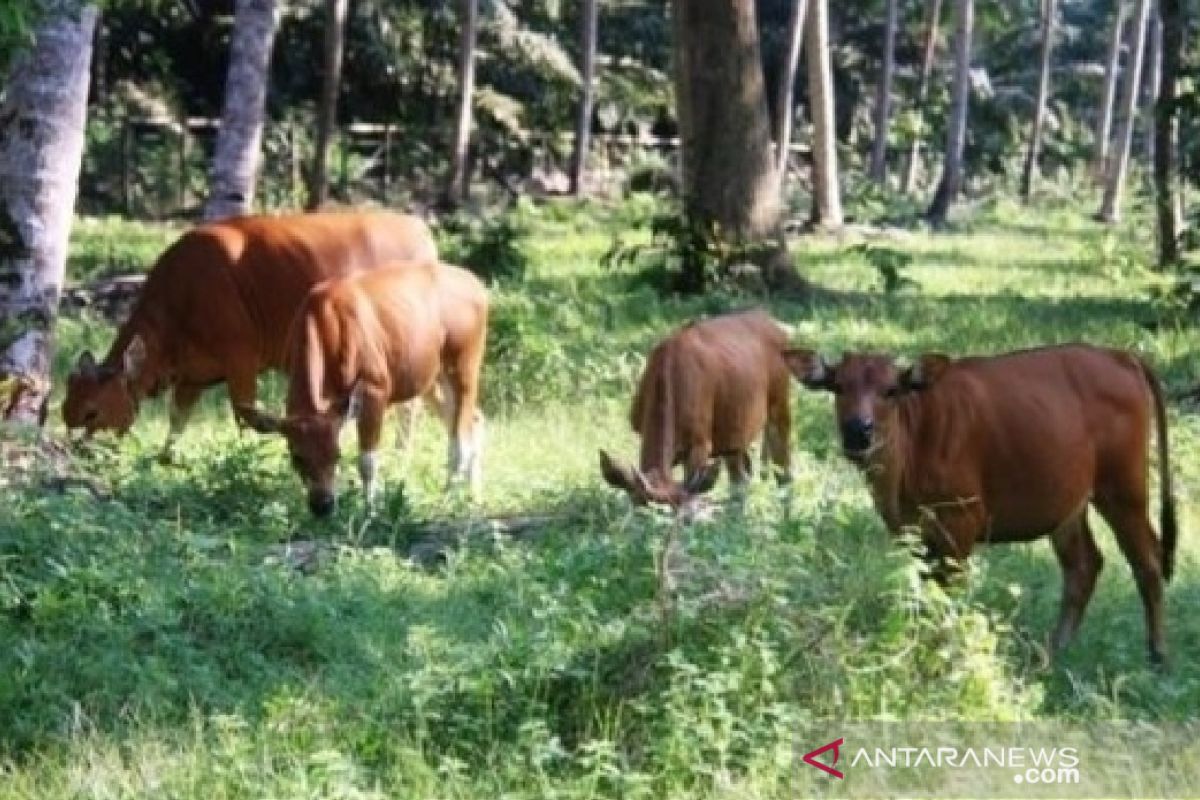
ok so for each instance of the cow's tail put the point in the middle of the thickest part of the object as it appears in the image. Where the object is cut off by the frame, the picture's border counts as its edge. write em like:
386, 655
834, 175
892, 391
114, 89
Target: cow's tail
1170, 532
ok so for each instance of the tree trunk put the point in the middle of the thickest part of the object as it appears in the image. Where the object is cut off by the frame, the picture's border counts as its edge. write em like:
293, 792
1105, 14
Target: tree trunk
827, 202
1118, 164
956, 132
729, 177
787, 88
456, 190
1166, 134
41, 148
1153, 68
1049, 11
914, 151
583, 123
239, 141
335, 28
883, 97
1112, 68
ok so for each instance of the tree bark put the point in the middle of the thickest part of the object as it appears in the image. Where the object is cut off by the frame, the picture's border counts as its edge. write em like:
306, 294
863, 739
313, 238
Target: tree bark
583, 122
956, 133
1118, 164
827, 202
239, 141
1166, 134
41, 148
930, 53
883, 97
456, 189
1154, 41
1049, 11
335, 27
787, 88
1112, 68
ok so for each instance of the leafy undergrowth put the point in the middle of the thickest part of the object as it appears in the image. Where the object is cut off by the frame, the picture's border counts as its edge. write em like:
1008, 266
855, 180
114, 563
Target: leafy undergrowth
156, 641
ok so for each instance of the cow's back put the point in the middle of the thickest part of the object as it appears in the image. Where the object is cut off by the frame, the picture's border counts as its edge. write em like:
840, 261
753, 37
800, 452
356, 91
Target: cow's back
1036, 429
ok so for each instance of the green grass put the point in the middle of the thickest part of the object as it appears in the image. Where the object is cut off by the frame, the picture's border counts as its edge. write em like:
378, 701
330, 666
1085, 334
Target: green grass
153, 643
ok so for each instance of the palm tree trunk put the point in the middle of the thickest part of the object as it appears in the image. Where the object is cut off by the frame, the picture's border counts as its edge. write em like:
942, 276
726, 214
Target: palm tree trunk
335, 27
787, 88
1153, 68
1049, 11
456, 190
41, 147
956, 133
1118, 165
827, 203
239, 141
883, 97
1112, 68
583, 122
1166, 132
914, 151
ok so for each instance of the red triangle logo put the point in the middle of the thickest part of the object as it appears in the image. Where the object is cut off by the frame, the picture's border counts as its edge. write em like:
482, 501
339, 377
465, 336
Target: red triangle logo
811, 758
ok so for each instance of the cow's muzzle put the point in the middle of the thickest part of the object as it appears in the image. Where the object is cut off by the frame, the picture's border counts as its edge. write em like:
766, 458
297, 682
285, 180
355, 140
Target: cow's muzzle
321, 502
856, 437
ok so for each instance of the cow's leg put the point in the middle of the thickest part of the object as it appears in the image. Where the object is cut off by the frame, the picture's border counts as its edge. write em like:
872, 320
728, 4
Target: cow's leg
1081, 562
1135, 535
370, 430
777, 451
183, 401
740, 471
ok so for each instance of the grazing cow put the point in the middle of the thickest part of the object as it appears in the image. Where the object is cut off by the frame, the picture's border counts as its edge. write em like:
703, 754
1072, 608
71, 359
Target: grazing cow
368, 340
1012, 448
708, 391
217, 305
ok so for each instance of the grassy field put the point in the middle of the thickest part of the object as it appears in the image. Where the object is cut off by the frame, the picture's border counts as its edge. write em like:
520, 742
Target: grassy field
155, 641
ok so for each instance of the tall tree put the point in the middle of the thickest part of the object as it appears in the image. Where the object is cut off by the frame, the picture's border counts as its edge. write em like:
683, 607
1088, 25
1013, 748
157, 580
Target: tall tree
239, 141
456, 189
42, 118
1153, 68
827, 202
1112, 68
729, 176
956, 131
1049, 12
583, 121
786, 88
335, 29
1118, 164
883, 96
930, 52
1166, 133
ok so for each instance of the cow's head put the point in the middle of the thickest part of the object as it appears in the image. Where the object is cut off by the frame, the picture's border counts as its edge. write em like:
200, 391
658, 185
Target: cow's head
655, 488
312, 440
866, 387
101, 397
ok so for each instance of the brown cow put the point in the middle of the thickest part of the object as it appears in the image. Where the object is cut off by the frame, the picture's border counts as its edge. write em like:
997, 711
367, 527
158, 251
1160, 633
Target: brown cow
708, 391
1012, 448
217, 305
375, 338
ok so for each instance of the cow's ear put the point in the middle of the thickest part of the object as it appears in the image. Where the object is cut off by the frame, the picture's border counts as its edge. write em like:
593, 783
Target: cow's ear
704, 479
256, 420
135, 357
809, 367
925, 372
616, 475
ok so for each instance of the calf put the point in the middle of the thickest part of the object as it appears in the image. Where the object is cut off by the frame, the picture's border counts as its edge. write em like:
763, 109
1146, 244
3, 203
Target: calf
708, 391
372, 339
1012, 448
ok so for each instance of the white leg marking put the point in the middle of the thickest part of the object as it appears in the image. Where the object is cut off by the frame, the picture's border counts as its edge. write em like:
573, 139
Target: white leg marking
366, 470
